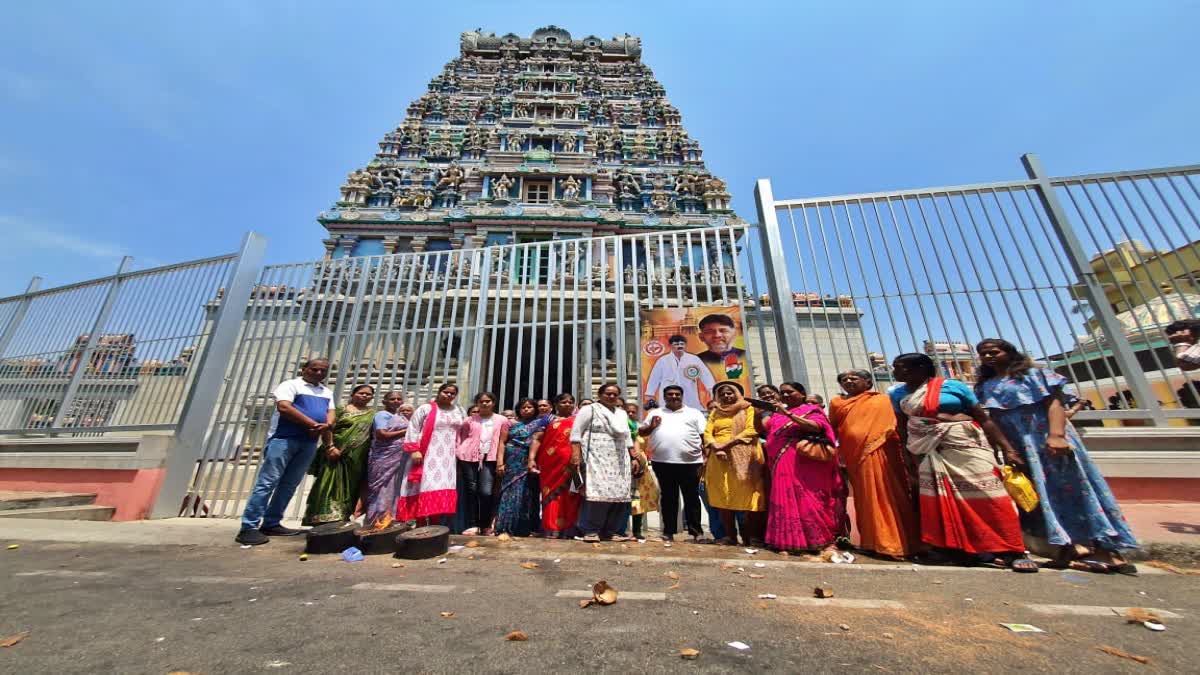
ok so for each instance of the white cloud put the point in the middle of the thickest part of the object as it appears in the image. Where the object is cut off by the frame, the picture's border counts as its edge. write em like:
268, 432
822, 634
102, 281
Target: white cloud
37, 235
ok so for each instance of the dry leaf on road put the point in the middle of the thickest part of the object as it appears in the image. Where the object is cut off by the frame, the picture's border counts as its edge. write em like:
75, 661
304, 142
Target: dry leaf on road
673, 586
1113, 651
14, 639
447, 615
672, 575
689, 653
1139, 615
517, 636
472, 544
530, 565
758, 576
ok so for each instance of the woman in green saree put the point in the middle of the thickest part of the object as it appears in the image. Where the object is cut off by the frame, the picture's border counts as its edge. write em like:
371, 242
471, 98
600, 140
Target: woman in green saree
341, 469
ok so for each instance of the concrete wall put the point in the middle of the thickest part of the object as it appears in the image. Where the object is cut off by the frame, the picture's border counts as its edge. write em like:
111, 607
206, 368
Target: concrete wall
125, 472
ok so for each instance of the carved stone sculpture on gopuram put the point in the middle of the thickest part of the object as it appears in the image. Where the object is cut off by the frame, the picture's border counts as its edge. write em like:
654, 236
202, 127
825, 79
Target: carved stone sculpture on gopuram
524, 138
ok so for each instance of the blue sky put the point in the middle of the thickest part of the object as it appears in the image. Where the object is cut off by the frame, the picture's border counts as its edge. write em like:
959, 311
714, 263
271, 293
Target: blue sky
164, 130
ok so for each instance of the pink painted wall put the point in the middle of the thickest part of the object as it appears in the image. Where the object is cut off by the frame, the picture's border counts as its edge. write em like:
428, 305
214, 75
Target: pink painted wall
131, 491
1155, 489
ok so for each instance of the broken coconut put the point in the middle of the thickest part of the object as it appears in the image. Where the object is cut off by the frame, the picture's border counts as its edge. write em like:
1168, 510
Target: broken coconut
517, 636
823, 592
530, 565
689, 654
602, 594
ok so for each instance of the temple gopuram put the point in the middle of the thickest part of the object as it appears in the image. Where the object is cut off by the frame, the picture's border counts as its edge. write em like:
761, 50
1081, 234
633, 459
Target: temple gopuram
524, 139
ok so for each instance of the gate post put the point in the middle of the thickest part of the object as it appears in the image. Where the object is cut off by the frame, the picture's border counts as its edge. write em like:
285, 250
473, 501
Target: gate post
1123, 353
201, 402
783, 311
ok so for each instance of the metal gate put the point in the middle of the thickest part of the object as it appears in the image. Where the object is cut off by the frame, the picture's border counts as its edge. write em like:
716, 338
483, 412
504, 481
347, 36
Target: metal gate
520, 320
1083, 272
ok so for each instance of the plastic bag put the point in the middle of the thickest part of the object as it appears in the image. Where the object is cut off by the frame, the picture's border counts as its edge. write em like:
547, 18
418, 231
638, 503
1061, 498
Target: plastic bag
1020, 488
352, 554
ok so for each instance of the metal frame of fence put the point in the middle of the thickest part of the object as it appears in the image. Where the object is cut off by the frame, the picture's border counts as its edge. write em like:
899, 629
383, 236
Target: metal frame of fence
937, 269
118, 354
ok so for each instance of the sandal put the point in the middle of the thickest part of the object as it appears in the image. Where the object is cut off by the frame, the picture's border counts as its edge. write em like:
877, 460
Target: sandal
1024, 565
1097, 567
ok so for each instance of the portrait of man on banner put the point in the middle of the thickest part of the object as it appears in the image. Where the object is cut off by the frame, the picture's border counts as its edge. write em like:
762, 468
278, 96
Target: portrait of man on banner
693, 348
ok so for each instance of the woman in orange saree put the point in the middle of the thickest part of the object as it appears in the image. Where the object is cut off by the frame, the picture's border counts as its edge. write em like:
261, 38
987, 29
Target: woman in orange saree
874, 459
550, 456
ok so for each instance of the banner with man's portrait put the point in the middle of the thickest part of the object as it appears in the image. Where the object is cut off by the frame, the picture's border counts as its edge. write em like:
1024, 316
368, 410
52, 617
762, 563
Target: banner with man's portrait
693, 347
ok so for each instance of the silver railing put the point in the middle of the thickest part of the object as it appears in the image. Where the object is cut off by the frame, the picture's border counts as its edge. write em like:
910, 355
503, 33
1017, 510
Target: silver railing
117, 354
521, 320
1082, 272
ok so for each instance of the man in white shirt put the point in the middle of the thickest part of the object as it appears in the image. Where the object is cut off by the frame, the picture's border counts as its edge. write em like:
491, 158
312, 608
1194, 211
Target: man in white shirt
681, 369
303, 416
674, 439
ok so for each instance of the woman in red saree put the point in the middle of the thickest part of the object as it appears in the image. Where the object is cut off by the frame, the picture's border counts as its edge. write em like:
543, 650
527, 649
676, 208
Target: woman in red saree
550, 456
965, 512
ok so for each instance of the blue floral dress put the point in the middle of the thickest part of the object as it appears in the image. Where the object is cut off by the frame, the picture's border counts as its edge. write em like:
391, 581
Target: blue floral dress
520, 496
1076, 505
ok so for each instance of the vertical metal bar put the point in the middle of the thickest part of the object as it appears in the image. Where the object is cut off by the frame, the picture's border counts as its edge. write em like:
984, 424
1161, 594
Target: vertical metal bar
563, 258
349, 329
636, 305
826, 328
200, 407
758, 310
513, 273
575, 323
528, 277
1081, 266
737, 280
603, 297
543, 316
587, 346
481, 312
619, 316
110, 301
787, 329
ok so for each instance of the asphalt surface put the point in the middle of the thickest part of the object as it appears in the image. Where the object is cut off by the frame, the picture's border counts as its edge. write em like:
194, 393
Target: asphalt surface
107, 608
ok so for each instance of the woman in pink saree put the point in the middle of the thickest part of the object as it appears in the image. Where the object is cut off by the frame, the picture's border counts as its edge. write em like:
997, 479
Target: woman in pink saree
806, 506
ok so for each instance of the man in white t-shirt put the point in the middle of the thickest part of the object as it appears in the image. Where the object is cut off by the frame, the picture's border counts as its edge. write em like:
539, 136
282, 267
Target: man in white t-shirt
678, 367
674, 439
303, 416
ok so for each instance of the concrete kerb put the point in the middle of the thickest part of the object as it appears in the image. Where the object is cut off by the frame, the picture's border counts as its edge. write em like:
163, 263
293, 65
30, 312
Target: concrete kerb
220, 532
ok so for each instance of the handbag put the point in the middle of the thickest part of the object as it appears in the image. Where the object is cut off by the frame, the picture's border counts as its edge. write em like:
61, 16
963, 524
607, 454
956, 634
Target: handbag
1020, 488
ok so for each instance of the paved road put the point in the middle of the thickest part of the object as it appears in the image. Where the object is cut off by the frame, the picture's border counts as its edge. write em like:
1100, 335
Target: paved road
96, 607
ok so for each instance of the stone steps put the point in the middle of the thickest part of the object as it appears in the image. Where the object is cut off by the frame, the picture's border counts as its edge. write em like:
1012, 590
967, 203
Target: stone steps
35, 500
85, 512
53, 505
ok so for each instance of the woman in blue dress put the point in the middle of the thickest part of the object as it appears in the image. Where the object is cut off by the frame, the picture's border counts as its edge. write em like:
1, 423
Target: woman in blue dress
517, 514
1075, 506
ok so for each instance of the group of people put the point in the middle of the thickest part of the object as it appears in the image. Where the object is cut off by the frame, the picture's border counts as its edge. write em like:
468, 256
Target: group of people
925, 464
